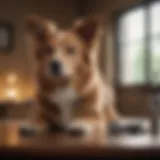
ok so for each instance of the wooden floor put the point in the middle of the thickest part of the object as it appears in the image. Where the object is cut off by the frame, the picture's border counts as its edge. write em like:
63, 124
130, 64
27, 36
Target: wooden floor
11, 143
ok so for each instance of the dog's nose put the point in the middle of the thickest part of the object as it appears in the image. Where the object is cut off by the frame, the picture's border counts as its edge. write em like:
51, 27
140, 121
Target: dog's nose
55, 67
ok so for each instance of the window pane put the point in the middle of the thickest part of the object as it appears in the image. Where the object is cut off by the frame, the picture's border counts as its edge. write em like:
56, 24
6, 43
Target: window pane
155, 18
132, 26
132, 64
155, 60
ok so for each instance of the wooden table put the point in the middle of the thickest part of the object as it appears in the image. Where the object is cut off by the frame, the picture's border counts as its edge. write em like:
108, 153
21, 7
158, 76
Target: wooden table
11, 143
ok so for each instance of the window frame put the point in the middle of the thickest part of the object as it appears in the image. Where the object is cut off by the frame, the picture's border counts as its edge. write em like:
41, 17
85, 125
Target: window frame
147, 42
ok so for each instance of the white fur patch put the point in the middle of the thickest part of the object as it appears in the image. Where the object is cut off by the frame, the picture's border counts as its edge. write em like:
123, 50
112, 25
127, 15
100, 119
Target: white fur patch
64, 98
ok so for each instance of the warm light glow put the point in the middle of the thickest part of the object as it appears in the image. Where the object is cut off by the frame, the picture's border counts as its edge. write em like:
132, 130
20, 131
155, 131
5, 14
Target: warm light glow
11, 78
11, 88
11, 93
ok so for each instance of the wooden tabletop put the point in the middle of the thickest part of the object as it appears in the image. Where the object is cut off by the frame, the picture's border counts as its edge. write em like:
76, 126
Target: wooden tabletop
12, 143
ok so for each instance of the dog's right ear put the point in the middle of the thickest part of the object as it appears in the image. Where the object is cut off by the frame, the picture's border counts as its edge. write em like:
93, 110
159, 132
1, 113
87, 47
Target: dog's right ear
87, 28
40, 28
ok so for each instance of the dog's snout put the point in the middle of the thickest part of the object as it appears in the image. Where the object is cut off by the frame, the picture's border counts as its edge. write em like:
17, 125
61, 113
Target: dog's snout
55, 67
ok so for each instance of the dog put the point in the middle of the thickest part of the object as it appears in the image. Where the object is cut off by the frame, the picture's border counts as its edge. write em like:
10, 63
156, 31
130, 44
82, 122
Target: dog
71, 94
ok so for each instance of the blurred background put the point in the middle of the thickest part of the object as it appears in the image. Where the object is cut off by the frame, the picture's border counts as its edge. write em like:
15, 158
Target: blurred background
129, 56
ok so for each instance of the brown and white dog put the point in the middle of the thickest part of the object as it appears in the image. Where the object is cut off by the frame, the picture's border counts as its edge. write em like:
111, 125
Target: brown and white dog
70, 91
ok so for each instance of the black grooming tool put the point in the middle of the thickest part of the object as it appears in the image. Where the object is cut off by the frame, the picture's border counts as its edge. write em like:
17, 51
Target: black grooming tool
132, 128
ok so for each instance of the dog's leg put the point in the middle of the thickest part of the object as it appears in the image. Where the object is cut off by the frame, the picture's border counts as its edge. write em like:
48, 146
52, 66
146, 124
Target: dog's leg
111, 113
34, 126
40, 121
90, 115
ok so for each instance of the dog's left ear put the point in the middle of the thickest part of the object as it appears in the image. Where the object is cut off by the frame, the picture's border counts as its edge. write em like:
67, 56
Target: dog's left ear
40, 28
87, 28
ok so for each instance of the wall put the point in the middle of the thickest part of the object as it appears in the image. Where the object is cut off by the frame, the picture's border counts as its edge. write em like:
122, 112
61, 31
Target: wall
19, 60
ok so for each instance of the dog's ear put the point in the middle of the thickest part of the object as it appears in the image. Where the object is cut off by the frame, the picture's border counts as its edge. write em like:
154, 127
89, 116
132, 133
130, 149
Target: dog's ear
39, 27
87, 28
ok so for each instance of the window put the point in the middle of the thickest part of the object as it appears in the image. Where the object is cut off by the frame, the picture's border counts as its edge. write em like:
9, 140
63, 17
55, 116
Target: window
139, 45
155, 41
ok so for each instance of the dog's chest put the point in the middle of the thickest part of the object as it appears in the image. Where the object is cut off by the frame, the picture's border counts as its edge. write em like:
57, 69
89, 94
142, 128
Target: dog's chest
64, 96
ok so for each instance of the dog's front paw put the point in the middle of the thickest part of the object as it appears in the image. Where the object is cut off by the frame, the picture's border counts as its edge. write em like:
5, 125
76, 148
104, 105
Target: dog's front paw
76, 131
79, 129
29, 130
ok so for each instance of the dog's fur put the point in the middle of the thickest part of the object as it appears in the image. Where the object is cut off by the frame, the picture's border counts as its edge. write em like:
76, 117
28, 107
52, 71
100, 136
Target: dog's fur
79, 97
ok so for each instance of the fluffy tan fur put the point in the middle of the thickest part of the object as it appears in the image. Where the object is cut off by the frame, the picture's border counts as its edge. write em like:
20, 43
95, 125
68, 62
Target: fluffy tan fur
81, 98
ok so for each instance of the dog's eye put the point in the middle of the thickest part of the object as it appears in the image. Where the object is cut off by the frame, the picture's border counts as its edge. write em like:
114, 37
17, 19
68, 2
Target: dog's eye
71, 50
49, 50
